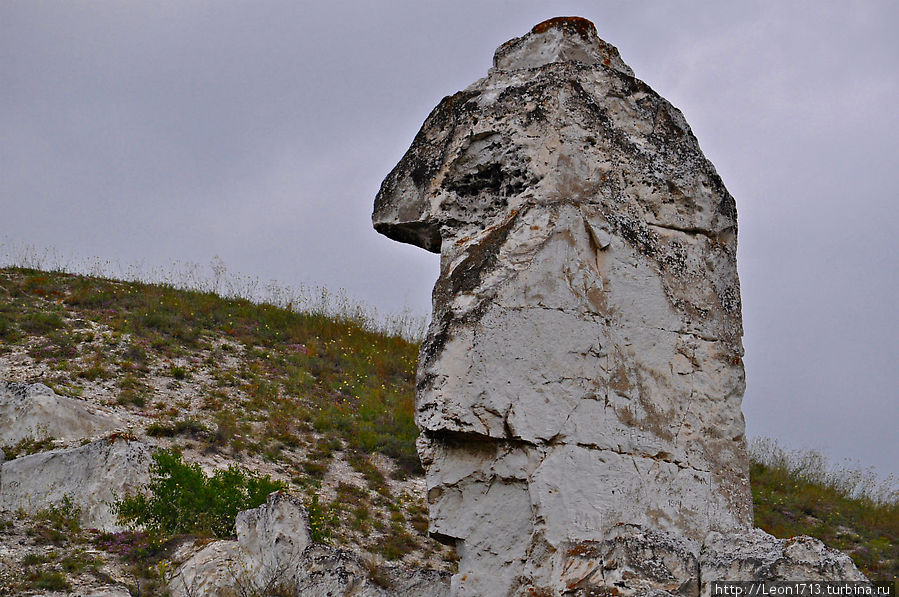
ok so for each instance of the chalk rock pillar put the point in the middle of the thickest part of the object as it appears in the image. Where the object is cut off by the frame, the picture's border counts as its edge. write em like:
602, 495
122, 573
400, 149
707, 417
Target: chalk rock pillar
583, 369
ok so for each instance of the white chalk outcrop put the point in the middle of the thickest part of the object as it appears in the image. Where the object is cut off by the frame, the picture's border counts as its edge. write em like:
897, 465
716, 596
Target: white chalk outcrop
35, 411
583, 368
91, 476
756, 555
274, 554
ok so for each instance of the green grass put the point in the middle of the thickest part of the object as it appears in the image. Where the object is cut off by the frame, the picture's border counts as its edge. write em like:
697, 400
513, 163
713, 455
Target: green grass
797, 493
26, 446
189, 427
58, 524
48, 579
303, 370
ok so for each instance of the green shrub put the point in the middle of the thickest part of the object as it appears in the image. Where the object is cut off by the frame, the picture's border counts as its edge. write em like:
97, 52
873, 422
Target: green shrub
33, 559
315, 469
79, 561
322, 520
7, 328
396, 543
133, 391
93, 371
39, 322
181, 499
132, 396
48, 579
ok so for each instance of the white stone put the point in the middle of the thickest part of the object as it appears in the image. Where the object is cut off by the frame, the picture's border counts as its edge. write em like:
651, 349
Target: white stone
92, 476
586, 320
35, 411
214, 571
583, 368
633, 561
275, 535
273, 551
100, 592
109, 592
756, 555
558, 41
328, 571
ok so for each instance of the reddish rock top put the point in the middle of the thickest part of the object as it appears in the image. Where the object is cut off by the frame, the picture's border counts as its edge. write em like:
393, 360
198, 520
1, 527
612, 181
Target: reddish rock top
579, 25
560, 39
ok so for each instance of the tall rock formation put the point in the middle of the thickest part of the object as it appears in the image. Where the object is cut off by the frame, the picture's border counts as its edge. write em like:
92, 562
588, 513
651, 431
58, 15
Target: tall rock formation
579, 388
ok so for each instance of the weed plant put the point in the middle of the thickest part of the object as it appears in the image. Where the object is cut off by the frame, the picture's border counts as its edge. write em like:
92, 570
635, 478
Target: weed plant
26, 446
798, 493
216, 279
181, 499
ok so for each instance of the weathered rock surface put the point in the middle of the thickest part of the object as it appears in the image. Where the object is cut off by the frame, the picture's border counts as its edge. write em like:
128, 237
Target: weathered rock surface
36, 411
634, 561
277, 533
583, 368
274, 551
92, 476
109, 592
214, 570
104, 592
631, 560
756, 555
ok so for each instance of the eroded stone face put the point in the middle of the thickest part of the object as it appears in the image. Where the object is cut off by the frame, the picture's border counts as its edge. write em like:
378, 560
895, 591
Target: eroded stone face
35, 411
274, 554
583, 368
92, 476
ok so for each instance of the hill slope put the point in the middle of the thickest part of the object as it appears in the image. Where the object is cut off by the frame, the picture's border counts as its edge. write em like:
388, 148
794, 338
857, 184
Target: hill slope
319, 403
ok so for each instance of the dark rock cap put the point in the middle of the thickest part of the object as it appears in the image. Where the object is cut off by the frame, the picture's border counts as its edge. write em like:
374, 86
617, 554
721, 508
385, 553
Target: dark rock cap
561, 39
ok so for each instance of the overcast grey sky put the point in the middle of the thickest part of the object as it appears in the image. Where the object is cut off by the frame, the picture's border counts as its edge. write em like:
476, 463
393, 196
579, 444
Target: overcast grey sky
260, 132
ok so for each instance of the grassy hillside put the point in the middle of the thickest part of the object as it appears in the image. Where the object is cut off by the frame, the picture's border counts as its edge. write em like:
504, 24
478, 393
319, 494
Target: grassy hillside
798, 494
297, 371
320, 402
